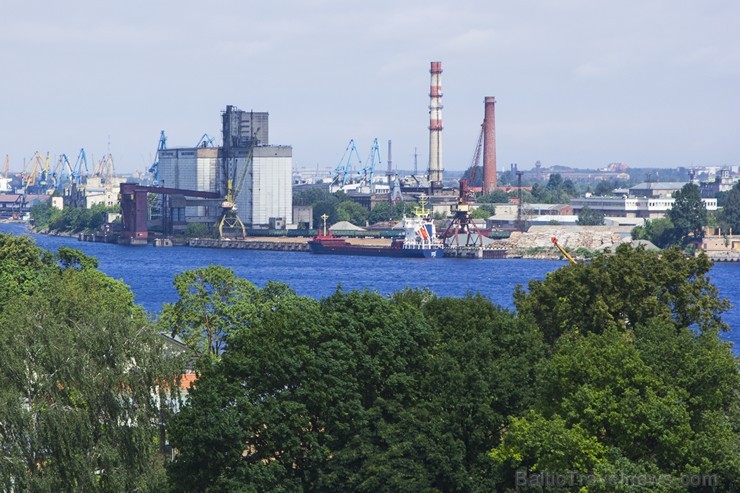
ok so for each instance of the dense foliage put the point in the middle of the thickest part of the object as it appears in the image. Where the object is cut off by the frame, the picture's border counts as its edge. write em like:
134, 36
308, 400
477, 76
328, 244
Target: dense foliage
590, 217
358, 392
660, 232
637, 382
338, 207
688, 214
82, 377
556, 191
44, 217
611, 369
729, 217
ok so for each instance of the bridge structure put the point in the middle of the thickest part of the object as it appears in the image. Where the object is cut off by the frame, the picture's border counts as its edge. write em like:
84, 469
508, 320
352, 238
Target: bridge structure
134, 209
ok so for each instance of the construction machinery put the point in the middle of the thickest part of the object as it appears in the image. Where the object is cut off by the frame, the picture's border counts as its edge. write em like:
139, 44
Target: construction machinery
154, 168
343, 169
29, 178
462, 231
475, 173
62, 173
230, 221
368, 172
106, 170
563, 251
79, 175
205, 141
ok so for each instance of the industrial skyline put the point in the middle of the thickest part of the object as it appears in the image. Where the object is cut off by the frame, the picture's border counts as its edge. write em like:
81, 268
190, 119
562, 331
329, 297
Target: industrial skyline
648, 84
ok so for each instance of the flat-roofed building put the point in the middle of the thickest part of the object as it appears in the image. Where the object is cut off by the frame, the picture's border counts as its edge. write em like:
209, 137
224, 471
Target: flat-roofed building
644, 207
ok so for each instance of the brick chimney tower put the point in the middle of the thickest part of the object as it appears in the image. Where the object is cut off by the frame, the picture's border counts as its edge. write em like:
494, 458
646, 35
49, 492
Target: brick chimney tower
489, 145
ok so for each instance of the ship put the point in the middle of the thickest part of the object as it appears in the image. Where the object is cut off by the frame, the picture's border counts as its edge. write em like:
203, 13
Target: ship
419, 241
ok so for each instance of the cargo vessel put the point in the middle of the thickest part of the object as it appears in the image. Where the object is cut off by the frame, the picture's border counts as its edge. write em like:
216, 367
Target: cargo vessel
419, 241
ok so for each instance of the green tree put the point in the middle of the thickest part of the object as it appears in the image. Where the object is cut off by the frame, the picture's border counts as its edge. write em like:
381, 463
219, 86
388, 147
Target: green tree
300, 396
688, 214
622, 290
555, 182
196, 230
353, 212
213, 302
660, 232
590, 217
358, 392
385, 211
483, 211
604, 188
638, 381
495, 197
729, 217
82, 379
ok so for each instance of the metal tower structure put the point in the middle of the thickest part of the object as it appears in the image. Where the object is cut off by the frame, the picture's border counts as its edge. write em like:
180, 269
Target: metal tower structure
154, 168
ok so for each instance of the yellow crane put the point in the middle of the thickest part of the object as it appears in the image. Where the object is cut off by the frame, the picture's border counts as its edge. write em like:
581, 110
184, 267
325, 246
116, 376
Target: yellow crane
563, 251
230, 220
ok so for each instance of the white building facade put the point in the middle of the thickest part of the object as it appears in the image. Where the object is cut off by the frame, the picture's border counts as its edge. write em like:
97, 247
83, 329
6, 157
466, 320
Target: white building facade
639, 207
266, 190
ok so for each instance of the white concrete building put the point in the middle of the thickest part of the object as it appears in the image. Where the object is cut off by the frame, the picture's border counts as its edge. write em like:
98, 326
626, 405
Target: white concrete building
267, 191
642, 207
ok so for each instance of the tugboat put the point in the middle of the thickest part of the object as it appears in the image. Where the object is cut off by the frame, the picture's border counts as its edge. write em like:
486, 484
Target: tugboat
420, 240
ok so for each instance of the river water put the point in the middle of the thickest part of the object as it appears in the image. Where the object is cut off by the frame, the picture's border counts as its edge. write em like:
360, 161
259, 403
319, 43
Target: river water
150, 271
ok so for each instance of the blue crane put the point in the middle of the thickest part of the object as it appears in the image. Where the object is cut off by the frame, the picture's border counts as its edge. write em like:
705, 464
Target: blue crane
154, 169
369, 170
344, 166
206, 141
62, 171
78, 175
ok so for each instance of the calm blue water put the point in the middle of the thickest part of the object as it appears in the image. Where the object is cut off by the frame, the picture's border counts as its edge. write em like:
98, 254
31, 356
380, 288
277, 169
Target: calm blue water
149, 272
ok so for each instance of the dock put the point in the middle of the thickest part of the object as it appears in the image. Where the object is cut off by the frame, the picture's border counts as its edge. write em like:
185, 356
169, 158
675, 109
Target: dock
474, 252
283, 245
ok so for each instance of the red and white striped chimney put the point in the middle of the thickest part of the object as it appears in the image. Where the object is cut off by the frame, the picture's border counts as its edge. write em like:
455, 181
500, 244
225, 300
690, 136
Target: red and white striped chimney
489, 145
435, 126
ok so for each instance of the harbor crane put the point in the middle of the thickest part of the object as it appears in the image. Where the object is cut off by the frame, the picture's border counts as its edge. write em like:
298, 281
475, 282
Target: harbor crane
230, 220
475, 170
106, 170
62, 172
79, 175
345, 164
368, 172
154, 168
29, 179
563, 251
205, 141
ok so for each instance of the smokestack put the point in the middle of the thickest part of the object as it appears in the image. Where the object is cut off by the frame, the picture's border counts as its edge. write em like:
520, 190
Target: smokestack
435, 127
489, 145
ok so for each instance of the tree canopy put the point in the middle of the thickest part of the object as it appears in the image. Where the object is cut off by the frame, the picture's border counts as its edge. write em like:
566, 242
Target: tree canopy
358, 392
688, 214
609, 369
82, 377
590, 217
729, 217
637, 381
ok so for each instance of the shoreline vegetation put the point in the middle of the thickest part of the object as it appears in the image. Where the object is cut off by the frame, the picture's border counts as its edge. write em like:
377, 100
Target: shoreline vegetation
608, 369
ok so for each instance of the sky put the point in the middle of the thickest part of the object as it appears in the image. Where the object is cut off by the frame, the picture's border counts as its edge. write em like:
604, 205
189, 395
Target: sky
581, 83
